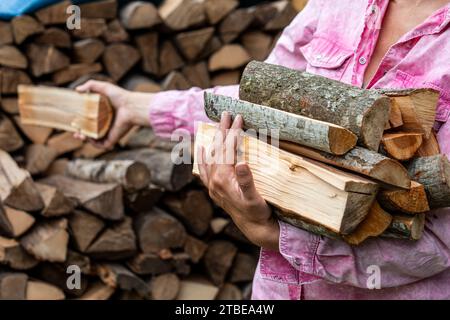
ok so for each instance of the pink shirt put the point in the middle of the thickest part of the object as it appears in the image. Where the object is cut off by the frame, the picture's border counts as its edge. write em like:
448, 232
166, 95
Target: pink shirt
336, 39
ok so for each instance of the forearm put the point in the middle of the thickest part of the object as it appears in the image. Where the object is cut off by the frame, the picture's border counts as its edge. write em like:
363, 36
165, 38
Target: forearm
139, 104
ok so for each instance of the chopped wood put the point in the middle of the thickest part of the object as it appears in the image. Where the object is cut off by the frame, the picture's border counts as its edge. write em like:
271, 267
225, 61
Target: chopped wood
364, 112
165, 287
39, 290
218, 260
180, 262
302, 130
84, 228
13, 255
429, 147
410, 201
9, 104
58, 167
82, 261
140, 83
212, 46
216, 10
401, 145
87, 113
115, 32
98, 291
104, 9
229, 292
144, 200
54, 14
10, 56
90, 28
6, 35
406, 227
38, 158
139, 15
169, 59
48, 241
434, 174
258, 44
89, 151
58, 275
293, 176
175, 81
64, 142
182, 14
132, 175
275, 15
36, 134
10, 79
88, 50
46, 59
243, 268
54, 37
235, 23
197, 288
191, 43
218, 224
230, 56
149, 264
117, 276
147, 44
119, 58
226, 78
13, 286
395, 117
197, 75
56, 204
195, 248
14, 223
10, 139
25, 26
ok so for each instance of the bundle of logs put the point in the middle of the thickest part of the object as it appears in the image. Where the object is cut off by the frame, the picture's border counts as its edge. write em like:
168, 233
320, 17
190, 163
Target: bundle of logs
351, 163
134, 224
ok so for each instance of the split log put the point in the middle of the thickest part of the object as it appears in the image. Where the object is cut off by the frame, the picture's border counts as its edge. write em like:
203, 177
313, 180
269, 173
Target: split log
132, 175
54, 14
86, 113
10, 79
105, 199
226, 78
143, 200
410, 201
434, 174
180, 263
293, 176
290, 127
13, 222
400, 145
36, 134
48, 241
138, 83
197, 288
54, 37
229, 292
212, 46
429, 147
179, 15
299, 4
82, 261
395, 117
56, 204
101, 9
275, 15
364, 112
119, 58
197, 75
216, 10
98, 291
10, 56
58, 167
147, 44
57, 275
117, 276
376, 222
257, 44
6, 35
13, 255
169, 59
39, 290
149, 264
191, 43
218, 224
165, 287
243, 268
218, 260
64, 142
230, 56
115, 32
175, 81
90, 28
9, 104
193, 208
236, 22
10, 139
88, 50
46, 59
139, 15
84, 229
13, 286
89, 151
17, 189
115, 243
38, 158
25, 26
406, 227
156, 230
195, 248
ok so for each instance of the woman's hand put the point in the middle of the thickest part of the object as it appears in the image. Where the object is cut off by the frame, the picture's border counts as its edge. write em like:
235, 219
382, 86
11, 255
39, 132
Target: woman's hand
232, 187
131, 108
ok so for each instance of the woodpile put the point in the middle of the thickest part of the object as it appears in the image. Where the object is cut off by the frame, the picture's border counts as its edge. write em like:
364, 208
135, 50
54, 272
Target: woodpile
137, 225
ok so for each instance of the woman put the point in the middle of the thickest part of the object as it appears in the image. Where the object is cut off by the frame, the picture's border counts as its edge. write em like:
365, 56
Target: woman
366, 43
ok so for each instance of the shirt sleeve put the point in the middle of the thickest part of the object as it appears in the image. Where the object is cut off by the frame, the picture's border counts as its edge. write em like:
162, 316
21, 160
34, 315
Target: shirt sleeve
172, 110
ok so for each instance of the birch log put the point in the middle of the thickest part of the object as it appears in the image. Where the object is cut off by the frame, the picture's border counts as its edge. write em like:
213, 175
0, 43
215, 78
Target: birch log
364, 112
291, 127
406, 227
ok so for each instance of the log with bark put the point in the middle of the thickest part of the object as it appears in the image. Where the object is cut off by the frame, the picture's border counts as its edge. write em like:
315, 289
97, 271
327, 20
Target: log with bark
55, 203
406, 227
218, 260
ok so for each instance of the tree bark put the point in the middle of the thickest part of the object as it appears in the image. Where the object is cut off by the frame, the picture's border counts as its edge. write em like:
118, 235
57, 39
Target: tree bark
406, 227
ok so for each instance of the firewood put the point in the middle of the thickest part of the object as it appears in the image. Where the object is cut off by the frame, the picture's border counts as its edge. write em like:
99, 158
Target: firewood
192, 208
56, 274
39, 290
119, 58
48, 241
18, 190
115, 32
25, 26
175, 81
406, 227
395, 117
46, 59
132, 175
301, 130
212, 46
38, 158
54, 37
6, 35
98, 291
13, 255
13, 286
36, 134
191, 43
197, 288
434, 174
163, 170
169, 59
64, 142
353, 192
117, 276
93, 76
243, 268
143, 200
401, 145
54, 14
140, 83
257, 44
10, 139
429, 147
105, 9
86, 113
115, 243
216, 10
181, 265
147, 44
139, 15
10, 56
195, 248
90, 28
275, 15
82, 261
10, 79
218, 224
226, 78
56, 204
88, 50
179, 15
9, 104
157, 230
105, 199
376, 222
84, 228
197, 75
410, 201
58, 167
89, 151
229, 292
235, 23
230, 56
218, 260
165, 287
364, 112
13, 222
149, 264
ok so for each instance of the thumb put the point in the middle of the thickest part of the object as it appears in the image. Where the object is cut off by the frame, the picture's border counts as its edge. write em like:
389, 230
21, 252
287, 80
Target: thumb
244, 178
93, 86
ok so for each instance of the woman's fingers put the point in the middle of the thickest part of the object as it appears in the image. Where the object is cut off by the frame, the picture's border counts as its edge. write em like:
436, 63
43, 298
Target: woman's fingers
244, 178
231, 141
202, 165
94, 86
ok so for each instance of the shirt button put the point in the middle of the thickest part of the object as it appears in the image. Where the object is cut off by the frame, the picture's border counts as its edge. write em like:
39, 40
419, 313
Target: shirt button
362, 60
319, 57
297, 262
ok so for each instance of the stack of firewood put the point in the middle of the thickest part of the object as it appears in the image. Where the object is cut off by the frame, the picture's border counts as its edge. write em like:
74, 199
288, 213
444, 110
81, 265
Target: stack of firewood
134, 223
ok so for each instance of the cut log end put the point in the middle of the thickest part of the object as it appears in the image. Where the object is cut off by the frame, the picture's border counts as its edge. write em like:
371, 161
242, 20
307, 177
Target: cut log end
341, 140
402, 146
374, 123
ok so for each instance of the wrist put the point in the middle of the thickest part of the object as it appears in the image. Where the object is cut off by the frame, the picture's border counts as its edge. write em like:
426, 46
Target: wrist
138, 108
264, 234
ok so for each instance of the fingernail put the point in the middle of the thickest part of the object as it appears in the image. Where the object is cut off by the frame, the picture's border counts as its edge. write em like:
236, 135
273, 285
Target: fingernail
241, 170
224, 114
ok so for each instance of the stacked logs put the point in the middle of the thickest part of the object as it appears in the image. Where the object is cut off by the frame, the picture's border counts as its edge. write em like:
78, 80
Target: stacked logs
134, 224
